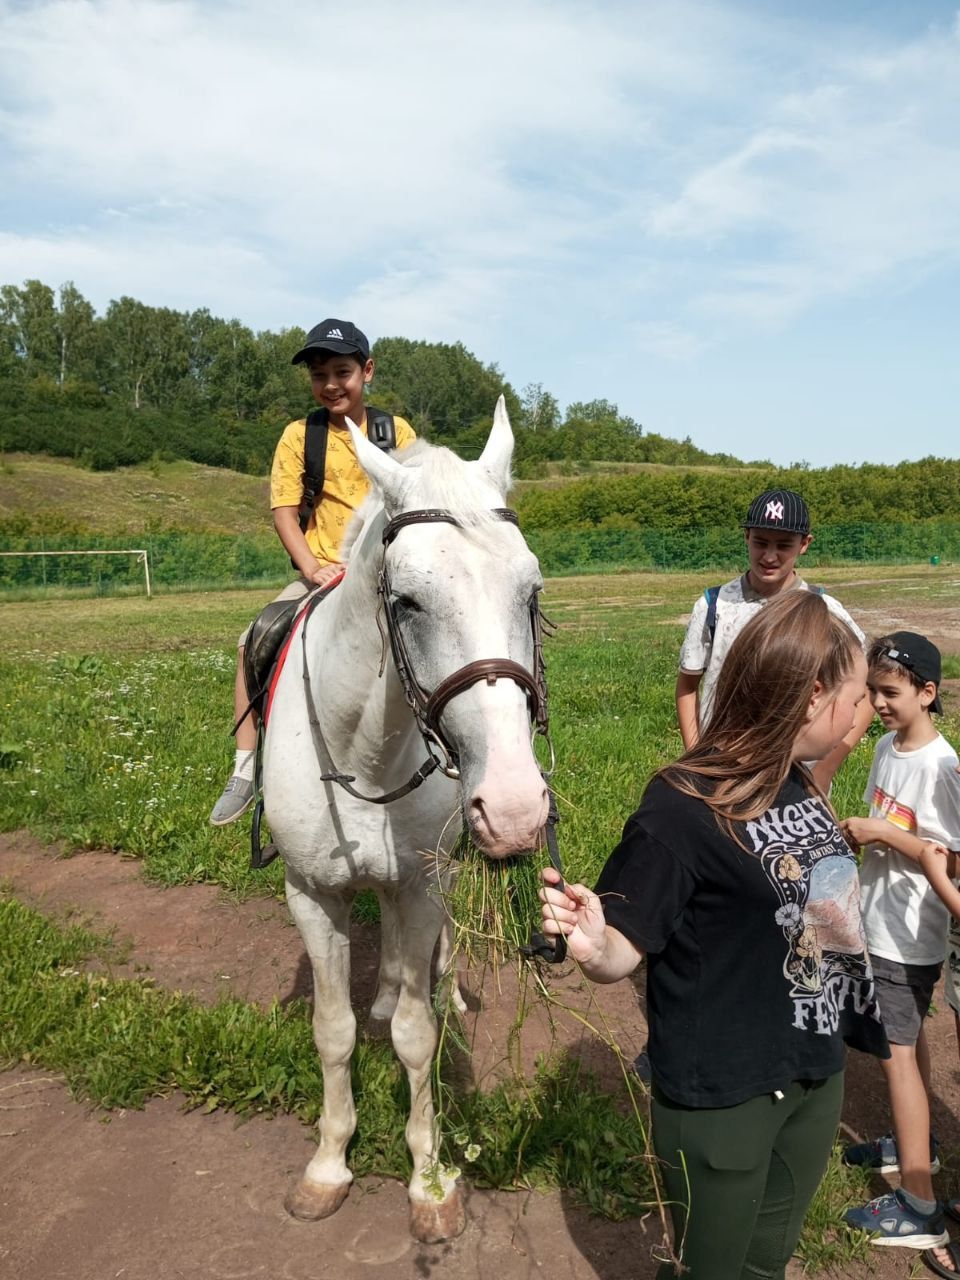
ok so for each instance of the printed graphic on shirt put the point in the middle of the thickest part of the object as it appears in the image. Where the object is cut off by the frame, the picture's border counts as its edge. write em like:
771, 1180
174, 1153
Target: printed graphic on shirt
815, 876
886, 806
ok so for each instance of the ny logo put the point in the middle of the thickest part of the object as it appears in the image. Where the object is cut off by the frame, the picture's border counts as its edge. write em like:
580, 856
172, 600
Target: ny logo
774, 511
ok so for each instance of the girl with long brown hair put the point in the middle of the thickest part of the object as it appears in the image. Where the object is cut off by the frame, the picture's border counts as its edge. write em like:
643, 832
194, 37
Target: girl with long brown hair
735, 882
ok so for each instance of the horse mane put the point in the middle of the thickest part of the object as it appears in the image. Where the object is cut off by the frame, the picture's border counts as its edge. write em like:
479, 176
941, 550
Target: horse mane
445, 482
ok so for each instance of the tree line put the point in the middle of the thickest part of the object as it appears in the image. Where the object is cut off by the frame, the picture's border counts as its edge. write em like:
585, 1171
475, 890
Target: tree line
141, 382
838, 496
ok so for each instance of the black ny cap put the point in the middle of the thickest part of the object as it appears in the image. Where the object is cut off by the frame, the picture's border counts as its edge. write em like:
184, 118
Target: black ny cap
918, 655
779, 509
338, 337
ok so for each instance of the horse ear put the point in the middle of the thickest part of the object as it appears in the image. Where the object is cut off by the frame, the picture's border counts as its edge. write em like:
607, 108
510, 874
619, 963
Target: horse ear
386, 473
498, 450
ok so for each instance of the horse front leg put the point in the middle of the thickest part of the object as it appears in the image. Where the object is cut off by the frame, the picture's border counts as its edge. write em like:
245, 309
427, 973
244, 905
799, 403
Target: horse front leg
436, 1204
324, 924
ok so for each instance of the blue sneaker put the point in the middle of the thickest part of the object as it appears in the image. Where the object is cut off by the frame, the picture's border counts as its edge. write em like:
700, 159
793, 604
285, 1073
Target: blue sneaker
889, 1220
881, 1154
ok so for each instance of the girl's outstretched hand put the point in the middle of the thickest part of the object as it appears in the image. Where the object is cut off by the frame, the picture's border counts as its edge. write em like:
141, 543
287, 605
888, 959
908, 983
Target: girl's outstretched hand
577, 913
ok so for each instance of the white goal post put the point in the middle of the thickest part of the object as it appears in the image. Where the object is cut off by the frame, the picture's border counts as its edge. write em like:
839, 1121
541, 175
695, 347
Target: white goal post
129, 551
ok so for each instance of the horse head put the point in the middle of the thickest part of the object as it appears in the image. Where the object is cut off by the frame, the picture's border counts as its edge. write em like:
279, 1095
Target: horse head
460, 585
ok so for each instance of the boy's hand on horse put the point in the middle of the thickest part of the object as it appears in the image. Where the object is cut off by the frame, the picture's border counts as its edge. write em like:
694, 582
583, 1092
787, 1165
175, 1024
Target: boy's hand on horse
325, 573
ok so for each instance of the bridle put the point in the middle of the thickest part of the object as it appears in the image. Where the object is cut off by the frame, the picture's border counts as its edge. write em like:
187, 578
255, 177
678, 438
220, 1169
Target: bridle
427, 707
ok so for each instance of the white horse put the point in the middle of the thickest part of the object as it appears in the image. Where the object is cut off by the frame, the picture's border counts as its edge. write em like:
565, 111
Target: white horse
460, 593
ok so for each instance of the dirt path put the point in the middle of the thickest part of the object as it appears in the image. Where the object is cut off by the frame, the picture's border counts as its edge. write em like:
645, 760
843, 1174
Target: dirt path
162, 1194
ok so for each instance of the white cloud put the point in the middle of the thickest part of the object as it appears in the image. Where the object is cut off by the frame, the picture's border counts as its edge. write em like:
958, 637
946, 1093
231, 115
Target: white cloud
842, 186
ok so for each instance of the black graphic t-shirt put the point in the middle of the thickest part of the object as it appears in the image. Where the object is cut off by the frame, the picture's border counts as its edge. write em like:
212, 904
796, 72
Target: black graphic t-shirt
757, 970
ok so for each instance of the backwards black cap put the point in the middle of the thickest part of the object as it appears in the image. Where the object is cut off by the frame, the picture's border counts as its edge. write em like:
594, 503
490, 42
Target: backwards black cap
919, 655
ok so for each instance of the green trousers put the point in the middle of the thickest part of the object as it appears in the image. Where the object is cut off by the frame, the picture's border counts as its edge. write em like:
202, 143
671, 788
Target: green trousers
739, 1194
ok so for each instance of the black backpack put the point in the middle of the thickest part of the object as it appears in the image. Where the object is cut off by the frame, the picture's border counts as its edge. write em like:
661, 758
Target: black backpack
381, 431
712, 594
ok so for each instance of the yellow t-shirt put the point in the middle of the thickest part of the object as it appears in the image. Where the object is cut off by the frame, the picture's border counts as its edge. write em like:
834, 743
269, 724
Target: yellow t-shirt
345, 483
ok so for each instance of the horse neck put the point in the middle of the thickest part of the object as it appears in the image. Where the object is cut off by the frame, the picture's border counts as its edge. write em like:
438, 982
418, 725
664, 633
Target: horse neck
359, 710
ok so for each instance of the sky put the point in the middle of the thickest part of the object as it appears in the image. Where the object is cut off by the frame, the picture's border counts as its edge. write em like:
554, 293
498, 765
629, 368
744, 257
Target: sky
738, 221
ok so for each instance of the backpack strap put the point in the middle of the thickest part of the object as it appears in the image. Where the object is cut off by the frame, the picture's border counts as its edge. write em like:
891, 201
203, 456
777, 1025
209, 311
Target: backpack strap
314, 462
381, 431
711, 595
381, 428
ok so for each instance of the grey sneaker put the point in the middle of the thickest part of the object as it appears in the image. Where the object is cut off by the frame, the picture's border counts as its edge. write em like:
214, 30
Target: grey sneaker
236, 799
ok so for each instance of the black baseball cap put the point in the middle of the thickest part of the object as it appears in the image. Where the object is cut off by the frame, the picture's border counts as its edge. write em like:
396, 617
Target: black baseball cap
918, 655
338, 337
779, 509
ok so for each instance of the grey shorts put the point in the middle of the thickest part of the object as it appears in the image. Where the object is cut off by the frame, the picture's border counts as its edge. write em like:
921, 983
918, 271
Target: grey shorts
904, 992
292, 591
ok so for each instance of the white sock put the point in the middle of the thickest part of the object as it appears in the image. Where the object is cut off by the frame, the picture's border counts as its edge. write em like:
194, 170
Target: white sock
243, 767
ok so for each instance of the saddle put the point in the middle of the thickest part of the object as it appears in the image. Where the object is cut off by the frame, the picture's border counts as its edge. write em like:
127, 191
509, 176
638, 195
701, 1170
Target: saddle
270, 628
262, 655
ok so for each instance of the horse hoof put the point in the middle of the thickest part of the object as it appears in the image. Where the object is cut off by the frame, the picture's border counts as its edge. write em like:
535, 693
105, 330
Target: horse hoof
432, 1221
310, 1201
457, 1000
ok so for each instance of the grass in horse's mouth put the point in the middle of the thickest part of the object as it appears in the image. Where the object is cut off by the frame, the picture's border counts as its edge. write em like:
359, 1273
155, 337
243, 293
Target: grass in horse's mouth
492, 905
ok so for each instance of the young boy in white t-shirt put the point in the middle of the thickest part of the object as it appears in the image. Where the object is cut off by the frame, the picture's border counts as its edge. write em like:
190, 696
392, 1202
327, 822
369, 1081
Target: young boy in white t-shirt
914, 796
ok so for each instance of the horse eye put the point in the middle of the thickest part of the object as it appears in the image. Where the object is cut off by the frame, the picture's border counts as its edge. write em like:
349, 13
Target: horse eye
406, 604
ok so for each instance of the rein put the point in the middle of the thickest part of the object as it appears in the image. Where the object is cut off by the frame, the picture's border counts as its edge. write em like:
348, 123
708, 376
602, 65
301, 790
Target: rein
428, 707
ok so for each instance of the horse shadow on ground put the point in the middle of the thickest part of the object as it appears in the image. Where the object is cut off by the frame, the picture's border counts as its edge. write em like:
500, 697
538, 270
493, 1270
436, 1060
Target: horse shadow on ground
578, 1074
551, 1127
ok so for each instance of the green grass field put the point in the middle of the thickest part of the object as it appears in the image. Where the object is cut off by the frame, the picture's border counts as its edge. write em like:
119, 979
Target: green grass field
115, 733
116, 712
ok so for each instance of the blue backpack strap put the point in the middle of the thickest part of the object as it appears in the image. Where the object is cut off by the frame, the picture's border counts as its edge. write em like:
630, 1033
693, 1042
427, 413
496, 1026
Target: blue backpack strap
711, 595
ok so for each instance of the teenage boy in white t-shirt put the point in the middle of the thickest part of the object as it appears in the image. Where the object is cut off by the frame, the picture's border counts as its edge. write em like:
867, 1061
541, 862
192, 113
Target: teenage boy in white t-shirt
777, 530
914, 796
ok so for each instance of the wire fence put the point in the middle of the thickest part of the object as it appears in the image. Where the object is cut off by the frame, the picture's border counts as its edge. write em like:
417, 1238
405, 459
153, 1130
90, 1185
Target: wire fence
185, 561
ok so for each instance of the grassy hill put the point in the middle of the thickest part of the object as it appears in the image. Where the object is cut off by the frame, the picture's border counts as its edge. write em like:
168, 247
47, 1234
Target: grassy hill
39, 494
49, 495
203, 525
557, 474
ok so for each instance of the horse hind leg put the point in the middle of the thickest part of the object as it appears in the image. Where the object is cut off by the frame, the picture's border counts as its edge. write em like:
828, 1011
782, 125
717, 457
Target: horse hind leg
389, 974
388, 980
324, 922
436, 1202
